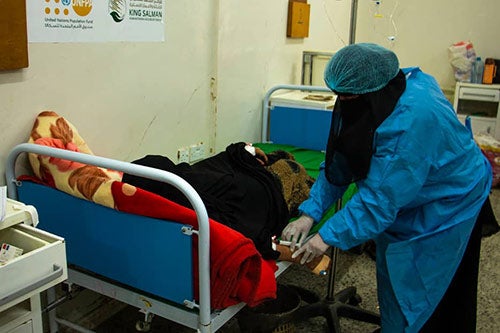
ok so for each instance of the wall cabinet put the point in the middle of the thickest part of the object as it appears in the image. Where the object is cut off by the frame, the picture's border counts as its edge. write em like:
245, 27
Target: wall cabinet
482, 103
41, 266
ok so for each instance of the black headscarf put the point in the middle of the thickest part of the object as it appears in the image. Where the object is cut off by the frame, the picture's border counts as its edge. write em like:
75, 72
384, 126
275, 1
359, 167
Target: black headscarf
354, 121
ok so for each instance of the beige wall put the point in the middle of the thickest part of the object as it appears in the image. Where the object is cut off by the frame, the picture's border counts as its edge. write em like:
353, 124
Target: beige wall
424, 30
132, 99
254, 55
207, 80
126, 99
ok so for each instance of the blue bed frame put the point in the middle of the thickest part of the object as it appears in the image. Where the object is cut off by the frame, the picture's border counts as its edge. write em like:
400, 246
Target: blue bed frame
137, 251
122, 242
74, 219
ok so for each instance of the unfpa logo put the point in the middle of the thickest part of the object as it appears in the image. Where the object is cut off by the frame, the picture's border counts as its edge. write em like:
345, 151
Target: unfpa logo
80, 7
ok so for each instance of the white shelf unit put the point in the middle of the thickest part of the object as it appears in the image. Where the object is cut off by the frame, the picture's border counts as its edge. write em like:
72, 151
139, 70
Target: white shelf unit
22, 279
482, 103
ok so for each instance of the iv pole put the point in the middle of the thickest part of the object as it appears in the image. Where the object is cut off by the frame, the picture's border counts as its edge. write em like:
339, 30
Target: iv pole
335, 251
354, 16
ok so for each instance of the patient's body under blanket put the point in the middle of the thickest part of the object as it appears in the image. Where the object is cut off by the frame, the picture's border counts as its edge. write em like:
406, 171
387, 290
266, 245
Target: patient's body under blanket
235, 188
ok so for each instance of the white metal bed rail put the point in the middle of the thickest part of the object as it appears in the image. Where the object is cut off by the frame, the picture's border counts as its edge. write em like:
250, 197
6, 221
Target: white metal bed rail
205, 320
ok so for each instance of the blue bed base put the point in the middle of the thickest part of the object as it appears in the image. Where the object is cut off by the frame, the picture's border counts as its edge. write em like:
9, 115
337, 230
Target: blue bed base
147, 254
303, 127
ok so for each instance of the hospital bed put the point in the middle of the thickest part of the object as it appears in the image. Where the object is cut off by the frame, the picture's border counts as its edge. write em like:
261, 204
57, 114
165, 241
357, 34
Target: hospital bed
105, 247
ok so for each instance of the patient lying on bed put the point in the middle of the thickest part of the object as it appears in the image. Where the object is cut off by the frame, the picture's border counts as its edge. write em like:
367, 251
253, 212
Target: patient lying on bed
242, 187
238, 272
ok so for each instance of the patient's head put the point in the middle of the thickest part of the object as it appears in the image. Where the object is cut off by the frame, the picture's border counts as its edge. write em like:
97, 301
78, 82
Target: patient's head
276, 155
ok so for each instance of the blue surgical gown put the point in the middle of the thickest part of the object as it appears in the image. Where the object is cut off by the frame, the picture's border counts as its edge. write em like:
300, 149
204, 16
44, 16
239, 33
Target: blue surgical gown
426, 184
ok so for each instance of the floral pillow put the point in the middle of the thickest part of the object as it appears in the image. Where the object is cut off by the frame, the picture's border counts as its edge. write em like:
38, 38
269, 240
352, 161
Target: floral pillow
81, 180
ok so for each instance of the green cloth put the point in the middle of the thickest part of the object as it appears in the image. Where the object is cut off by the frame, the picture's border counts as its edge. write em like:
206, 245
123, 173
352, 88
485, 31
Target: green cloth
311, 160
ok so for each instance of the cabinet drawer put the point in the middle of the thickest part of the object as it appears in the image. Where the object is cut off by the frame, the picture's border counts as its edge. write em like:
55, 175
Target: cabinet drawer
15, 316
479, 94
41, 266
27, 327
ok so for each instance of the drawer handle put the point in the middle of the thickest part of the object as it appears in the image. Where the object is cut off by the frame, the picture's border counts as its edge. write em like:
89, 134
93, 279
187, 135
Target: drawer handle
492, 96
58, 271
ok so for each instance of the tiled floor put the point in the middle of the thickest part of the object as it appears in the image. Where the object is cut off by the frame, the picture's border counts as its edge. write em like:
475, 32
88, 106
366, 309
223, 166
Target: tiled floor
104, 315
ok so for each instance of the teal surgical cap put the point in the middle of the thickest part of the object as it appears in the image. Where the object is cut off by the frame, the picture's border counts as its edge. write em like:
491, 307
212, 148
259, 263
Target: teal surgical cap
361, 68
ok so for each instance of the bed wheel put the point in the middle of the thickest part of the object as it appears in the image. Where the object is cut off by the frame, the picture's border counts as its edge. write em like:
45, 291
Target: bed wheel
144, 325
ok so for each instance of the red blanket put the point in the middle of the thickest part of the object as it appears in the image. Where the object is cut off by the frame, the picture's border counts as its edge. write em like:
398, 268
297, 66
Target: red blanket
238, 272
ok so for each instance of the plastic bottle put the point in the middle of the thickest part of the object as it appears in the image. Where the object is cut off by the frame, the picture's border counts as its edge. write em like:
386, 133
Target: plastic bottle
477, 71
472, 70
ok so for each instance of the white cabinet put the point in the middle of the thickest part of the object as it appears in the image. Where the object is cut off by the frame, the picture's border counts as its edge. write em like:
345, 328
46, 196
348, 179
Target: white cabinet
482, 103
41, 266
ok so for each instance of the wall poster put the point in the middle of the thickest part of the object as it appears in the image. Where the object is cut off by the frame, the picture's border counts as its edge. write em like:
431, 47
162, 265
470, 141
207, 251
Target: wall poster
95, 20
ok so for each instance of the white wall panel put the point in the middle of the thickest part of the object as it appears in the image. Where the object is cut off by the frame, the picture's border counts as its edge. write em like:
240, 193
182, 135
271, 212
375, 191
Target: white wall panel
425, 29
133, 99
255, 54
126, 99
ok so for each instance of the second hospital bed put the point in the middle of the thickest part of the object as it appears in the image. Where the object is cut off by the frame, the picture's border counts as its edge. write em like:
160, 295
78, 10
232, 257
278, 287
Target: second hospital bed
106, 247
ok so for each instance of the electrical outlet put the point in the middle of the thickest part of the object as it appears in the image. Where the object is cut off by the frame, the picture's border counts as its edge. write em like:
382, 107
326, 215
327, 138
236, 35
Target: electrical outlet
196, 152
183, 155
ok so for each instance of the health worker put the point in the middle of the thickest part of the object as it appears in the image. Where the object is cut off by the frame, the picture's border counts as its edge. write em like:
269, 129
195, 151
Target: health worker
421, 180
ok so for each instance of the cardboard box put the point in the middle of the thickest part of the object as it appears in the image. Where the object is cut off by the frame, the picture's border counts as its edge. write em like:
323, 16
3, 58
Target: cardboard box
298, 19
13, 35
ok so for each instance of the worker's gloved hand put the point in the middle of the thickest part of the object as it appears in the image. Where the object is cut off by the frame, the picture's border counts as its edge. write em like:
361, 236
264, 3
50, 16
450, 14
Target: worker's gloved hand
311, 249
297, 231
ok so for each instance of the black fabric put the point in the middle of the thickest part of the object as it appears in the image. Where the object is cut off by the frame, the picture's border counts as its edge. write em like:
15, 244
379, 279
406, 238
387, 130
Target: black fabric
489, 223
236, 190
354, 121
456, 312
